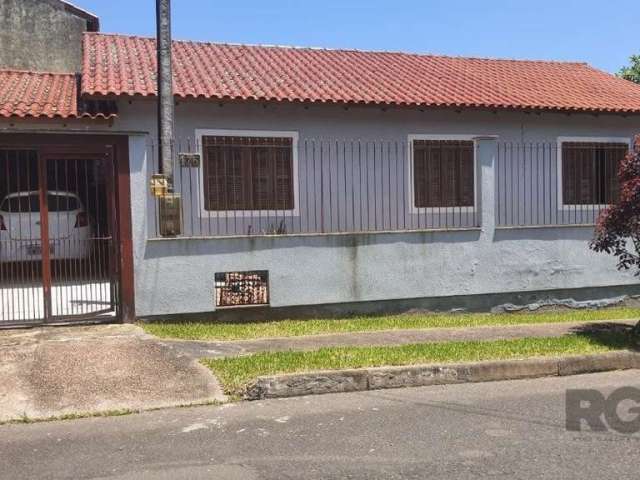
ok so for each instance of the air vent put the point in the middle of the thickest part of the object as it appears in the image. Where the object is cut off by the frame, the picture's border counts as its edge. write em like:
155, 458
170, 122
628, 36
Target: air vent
241, 289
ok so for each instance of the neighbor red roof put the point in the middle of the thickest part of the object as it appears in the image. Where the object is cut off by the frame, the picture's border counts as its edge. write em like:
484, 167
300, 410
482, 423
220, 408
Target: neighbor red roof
31, 94
52, 95
125, 65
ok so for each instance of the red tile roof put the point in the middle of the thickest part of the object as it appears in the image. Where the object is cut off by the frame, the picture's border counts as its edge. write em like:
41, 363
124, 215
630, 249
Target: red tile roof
125, 65
52, 95
31, 94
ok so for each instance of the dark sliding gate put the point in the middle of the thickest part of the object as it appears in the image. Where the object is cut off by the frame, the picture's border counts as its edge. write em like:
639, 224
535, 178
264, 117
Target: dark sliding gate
58, 236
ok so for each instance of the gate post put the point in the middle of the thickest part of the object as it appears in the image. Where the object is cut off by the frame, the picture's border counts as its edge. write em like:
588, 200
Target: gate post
44, 238
486, 152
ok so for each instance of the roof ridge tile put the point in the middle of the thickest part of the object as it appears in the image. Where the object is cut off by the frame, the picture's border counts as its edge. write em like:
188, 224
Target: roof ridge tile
345, 50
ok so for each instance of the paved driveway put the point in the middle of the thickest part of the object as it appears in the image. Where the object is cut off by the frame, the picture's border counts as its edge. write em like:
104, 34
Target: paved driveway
54, 371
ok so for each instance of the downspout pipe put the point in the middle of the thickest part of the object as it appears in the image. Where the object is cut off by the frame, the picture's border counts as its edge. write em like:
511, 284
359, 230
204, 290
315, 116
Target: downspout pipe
166, 109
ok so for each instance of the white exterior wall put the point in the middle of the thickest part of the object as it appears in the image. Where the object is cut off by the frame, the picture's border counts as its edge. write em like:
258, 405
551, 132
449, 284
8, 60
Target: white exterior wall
177, 275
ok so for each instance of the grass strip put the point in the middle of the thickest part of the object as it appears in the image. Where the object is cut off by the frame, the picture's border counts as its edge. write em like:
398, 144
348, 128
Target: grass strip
236, 373
186, 330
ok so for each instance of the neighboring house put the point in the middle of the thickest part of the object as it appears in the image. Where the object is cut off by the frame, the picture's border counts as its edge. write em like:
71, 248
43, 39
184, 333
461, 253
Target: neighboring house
43, 35
326, 179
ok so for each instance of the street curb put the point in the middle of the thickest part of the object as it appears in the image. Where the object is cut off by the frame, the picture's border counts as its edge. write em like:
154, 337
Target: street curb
357, 380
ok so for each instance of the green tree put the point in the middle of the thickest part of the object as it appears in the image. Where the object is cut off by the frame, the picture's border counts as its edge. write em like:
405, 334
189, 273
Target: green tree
631, 72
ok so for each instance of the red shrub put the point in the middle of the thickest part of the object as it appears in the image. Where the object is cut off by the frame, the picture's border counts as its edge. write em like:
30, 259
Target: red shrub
618, 229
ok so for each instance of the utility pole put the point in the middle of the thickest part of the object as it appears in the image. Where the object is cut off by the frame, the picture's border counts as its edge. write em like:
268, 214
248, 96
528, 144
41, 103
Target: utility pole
169, 203
166, 111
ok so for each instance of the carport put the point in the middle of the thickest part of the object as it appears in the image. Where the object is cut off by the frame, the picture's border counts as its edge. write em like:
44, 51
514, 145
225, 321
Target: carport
65, 229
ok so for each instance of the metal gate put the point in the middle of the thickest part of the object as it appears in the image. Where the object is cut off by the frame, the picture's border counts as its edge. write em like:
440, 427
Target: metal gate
58, 237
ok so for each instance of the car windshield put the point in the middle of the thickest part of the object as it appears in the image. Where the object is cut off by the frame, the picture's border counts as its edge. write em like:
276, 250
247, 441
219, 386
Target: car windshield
31, 203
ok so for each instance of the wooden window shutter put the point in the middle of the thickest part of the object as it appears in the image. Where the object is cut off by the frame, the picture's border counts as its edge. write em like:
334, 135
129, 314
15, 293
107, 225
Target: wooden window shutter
232, 161
248, 173
586, 166
262, 179
615, 156
218, 170
211, 179
610, 175
467, 176
420, 175
433, 167
283, 179
444, 173
449, 175
569, 174
589, 172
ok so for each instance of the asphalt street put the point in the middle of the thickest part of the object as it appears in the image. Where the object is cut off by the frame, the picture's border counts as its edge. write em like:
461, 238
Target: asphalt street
501, 430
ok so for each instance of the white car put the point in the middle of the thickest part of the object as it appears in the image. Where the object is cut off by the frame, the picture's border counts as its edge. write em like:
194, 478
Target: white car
70, 230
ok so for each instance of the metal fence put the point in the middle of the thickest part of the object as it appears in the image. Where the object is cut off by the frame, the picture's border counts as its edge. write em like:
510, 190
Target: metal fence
540, 184
57, 238
357, 186
339, 186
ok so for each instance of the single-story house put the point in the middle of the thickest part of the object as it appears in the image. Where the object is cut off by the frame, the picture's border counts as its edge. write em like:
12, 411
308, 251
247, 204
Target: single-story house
305, 180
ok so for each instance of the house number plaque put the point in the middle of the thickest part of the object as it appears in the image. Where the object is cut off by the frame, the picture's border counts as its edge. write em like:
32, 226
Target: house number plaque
189, 160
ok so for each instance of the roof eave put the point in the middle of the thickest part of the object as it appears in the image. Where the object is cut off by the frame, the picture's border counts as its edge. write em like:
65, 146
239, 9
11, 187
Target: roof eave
372, 103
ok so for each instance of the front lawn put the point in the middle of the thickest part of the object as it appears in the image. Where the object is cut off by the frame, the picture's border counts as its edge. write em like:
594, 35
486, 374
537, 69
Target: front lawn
236, 373
186, 330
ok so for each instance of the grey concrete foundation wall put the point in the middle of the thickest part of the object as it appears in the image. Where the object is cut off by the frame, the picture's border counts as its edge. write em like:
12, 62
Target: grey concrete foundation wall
177, 276
531, 300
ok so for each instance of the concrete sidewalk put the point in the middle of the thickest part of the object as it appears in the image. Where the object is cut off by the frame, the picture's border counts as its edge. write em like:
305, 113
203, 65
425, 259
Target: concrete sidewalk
55, 371
213, 349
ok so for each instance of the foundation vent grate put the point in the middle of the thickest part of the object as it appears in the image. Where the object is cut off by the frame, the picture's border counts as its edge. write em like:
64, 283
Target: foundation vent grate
240, 289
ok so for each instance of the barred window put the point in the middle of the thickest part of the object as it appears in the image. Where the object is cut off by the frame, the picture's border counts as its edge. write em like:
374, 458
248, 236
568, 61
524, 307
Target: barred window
443, 173
248, 173
590, 172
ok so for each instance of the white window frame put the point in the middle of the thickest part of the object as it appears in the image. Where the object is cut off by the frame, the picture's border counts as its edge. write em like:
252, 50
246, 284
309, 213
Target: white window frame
560, 141
293, 135
443, 137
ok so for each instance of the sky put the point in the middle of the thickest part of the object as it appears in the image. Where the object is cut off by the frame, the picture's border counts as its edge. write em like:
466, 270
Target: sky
599, 32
